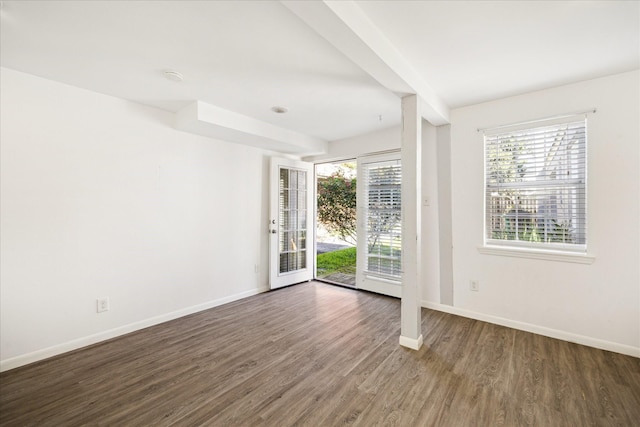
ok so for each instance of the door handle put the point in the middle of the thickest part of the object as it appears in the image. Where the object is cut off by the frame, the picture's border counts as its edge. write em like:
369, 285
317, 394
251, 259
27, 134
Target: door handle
273, 231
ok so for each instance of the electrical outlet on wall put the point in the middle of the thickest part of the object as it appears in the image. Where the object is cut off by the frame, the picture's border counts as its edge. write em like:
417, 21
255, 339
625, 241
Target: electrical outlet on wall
102, 304
474, 285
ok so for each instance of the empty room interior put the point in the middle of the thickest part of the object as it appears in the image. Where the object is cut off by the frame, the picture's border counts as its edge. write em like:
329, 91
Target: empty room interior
166, 240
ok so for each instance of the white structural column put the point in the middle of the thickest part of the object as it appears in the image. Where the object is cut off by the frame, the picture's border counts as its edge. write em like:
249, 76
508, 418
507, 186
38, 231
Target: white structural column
411, 334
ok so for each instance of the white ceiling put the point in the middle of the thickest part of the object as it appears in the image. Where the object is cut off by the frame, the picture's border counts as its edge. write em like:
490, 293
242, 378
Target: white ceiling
247, 56
476, 51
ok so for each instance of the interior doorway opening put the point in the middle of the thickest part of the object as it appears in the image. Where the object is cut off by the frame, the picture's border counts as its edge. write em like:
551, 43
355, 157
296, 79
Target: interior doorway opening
336, 222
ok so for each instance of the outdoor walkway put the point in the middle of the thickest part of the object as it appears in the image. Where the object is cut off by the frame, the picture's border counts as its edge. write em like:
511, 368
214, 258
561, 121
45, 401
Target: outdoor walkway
345, 279
322, 248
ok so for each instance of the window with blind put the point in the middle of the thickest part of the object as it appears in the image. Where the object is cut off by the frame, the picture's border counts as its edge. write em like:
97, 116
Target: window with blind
535, 192
382, 183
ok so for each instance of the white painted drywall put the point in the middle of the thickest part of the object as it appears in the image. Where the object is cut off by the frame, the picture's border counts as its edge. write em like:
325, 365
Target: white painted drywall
443, 153
430, 215
600, 301
350, 148
102, 197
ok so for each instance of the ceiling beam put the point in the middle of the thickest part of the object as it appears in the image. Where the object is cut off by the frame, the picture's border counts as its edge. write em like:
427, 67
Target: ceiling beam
345, 25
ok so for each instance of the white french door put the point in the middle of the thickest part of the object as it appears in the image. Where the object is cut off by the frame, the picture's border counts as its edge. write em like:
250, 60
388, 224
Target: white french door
291, 209
378, 267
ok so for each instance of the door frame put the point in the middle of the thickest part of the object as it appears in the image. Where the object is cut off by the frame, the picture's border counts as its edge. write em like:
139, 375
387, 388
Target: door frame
341, 160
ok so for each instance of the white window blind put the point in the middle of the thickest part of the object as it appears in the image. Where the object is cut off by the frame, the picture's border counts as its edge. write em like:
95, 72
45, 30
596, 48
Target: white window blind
382, 181
535, 192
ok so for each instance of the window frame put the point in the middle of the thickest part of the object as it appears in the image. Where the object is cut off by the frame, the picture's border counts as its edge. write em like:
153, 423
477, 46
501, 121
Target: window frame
570, 252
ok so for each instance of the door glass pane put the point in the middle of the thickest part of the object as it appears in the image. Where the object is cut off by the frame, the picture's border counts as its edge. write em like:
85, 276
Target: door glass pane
302, 199
302, 219
293, 223
302, 240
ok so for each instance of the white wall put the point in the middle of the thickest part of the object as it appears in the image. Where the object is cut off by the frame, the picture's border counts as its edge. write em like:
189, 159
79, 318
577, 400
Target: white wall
350, 148
430, 229
443, 153
101, 197
597, 302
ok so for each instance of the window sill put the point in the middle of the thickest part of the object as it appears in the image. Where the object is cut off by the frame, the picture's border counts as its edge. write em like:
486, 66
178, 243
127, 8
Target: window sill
560, 256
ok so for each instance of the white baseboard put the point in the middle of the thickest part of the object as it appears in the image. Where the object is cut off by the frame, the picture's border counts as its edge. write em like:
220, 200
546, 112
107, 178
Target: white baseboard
536, 329
413, 344
55, 350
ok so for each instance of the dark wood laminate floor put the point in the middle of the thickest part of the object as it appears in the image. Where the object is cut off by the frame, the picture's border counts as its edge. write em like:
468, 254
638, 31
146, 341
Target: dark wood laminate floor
319, 355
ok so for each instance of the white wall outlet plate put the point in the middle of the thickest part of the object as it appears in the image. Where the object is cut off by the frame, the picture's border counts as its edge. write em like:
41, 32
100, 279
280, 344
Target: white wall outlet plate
102, 304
